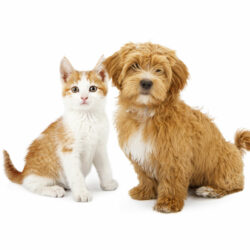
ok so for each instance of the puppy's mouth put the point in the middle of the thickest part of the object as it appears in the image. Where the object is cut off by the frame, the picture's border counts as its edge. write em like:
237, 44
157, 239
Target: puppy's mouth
144, 98
145, 92
147, 97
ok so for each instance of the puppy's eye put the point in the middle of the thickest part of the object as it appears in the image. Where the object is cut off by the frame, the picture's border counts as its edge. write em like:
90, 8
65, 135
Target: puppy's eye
158, 70
135, 66
92, 88
75, 89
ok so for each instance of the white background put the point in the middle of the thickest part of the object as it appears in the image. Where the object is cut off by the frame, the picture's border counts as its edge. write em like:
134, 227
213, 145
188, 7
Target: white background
211, 37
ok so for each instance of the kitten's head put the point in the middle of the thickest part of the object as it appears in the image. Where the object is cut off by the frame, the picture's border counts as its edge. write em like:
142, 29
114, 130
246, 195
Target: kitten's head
83, 90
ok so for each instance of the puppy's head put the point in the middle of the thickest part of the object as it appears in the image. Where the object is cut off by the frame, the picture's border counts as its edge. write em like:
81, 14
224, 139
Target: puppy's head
146, 74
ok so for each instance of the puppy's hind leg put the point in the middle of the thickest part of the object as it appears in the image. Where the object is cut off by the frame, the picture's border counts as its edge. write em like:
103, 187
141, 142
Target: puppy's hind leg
43, 186
227, 177
210, 192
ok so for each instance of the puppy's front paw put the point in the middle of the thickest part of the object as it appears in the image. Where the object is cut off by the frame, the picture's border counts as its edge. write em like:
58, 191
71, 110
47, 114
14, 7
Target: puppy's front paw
82, 196
142, 193
109, 186
169, 206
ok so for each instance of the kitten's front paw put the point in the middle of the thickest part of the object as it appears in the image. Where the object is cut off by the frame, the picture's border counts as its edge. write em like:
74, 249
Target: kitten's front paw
109, 186
82, 196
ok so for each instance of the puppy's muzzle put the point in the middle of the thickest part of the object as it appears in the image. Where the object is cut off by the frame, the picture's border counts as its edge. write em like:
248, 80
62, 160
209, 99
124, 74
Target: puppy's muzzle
146, 85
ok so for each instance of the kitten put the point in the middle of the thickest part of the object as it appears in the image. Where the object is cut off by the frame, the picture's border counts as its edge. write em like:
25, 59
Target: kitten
61, 157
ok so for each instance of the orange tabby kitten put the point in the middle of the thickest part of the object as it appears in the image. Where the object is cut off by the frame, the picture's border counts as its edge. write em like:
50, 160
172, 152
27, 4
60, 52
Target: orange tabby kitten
62, 155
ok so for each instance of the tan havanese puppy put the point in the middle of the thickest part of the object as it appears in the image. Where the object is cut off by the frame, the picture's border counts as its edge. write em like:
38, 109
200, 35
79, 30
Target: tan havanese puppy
171, 145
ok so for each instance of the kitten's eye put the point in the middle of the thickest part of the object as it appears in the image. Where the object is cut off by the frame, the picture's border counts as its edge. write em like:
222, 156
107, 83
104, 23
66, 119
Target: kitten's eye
135, 66
92, 88
75, 89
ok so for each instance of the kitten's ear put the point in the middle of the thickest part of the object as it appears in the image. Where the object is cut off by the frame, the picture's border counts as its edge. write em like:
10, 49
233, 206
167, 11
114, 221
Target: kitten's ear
100, 69
66, 69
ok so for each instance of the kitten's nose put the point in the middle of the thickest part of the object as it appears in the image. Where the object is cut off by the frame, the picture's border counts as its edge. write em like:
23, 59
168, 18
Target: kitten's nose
146, 83
84, 98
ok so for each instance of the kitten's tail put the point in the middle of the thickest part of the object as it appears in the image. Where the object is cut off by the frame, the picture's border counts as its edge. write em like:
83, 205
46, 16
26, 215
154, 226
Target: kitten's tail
242, 140
12, 173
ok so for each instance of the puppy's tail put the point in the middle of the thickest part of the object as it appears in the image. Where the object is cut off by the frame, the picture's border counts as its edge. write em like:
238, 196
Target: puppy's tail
242, 140
12, 173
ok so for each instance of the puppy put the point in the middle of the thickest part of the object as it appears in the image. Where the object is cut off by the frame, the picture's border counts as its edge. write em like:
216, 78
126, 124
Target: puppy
171, 145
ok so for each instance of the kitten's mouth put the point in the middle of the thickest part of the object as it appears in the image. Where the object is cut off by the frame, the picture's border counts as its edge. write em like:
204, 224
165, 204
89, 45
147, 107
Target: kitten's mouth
84, 103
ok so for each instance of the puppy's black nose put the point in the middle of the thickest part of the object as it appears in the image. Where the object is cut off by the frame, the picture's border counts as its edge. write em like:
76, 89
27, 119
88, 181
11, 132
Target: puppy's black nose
146, 84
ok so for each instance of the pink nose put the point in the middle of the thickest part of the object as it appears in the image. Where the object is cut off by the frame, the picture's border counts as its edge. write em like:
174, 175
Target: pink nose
84, 98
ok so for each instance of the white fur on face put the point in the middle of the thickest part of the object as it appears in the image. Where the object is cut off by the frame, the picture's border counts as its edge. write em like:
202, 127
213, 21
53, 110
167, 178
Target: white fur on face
146, 75
143, 99
74, 101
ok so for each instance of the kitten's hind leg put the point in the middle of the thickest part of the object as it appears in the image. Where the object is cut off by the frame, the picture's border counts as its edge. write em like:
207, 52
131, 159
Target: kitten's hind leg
43, 186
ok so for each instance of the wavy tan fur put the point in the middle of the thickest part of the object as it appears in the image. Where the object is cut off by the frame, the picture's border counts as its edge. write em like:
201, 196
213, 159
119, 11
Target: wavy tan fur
171, 145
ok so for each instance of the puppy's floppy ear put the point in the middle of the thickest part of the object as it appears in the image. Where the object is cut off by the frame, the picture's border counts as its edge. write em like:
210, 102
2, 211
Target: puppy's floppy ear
113, 67
179, 75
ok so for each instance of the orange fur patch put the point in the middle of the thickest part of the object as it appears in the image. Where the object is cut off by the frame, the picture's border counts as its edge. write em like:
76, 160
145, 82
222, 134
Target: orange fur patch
73, 78
93, 78
42, 159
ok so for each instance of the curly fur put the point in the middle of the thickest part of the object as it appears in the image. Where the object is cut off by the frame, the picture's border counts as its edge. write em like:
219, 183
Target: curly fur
186, 147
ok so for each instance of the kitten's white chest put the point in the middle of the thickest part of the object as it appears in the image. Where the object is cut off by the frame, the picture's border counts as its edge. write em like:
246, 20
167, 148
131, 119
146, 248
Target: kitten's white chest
86, 130
87, 134
137, 148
